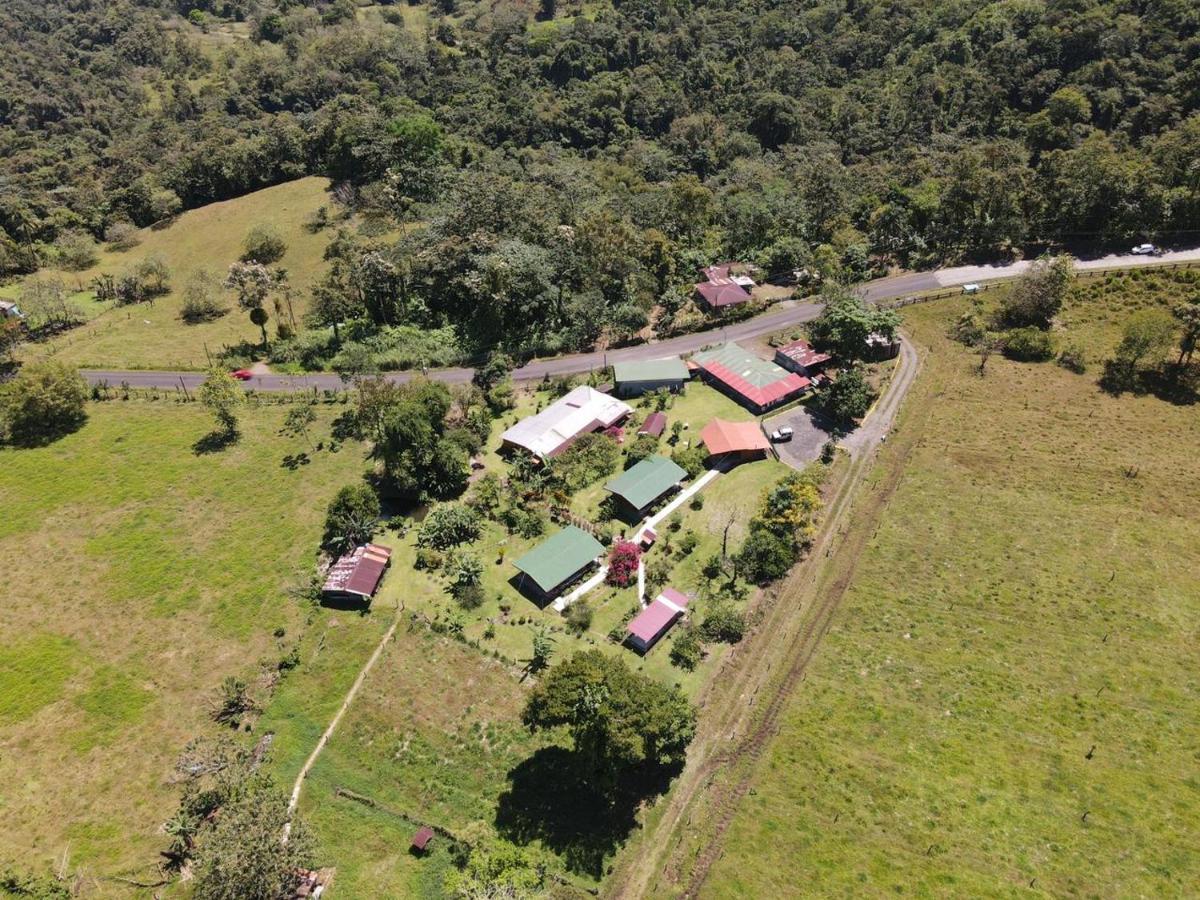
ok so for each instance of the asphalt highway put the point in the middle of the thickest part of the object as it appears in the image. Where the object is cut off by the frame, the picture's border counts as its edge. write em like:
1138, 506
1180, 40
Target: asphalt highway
783, 315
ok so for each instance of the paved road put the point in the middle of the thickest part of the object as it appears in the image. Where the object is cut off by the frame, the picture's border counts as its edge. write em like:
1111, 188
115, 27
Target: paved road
782, 316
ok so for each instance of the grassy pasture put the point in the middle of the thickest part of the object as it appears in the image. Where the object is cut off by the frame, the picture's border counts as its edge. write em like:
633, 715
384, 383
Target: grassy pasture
139, 575
1007, 703
152, 336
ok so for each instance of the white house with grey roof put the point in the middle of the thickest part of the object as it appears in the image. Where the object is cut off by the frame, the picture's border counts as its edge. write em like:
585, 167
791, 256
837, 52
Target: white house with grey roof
552, 431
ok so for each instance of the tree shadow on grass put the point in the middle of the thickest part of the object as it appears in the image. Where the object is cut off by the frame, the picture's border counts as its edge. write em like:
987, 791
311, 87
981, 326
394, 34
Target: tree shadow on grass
215, 441
1175, 384
547, 801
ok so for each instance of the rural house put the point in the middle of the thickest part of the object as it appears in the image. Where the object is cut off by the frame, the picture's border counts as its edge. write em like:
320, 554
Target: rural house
553, 430
721, 287
10, 310
356, 575
553, 565
644, 484
735, 440
635, 378
755, 383
648, 626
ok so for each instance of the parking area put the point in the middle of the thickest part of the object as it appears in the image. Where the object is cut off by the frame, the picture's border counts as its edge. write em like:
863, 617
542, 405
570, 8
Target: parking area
808, 437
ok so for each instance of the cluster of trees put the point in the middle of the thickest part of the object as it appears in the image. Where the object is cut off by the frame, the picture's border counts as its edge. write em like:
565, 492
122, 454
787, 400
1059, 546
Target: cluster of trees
1020, 326
842, 329
230, 826
421, 434
782, 528
1148, 334
573, 174
621, 722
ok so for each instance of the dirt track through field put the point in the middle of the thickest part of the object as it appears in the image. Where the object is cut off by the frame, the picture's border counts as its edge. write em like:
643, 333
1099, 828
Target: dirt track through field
742, 712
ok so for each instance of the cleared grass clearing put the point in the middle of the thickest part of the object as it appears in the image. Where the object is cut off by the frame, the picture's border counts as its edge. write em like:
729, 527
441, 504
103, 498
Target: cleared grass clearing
152, 336
139, 575
1006, 703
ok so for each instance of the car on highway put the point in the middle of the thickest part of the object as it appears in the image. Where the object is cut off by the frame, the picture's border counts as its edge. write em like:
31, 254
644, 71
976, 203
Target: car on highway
782, 435
971, 288
1146, 250
242, 374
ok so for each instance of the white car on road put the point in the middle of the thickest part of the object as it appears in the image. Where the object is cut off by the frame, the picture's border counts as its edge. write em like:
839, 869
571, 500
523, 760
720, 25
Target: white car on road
1145, 250
971, 288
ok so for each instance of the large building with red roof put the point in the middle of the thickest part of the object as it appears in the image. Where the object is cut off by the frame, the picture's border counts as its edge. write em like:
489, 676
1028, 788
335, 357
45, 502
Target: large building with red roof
757, 384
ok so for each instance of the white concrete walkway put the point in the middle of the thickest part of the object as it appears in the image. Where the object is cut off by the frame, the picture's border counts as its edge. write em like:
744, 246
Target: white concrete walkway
596, 580
683, 497
566, 600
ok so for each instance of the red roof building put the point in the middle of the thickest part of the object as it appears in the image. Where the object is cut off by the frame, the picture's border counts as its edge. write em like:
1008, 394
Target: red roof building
721, 437
357, 574
655, 424
656, 619
800, 357
422, 838
721, 293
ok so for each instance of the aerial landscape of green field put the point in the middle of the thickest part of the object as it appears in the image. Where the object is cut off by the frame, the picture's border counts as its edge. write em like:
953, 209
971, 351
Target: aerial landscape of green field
552, 449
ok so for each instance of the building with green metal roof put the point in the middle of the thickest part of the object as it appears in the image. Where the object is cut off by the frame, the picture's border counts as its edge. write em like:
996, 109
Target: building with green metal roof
755, 383
558, 561
640, 376
645, 483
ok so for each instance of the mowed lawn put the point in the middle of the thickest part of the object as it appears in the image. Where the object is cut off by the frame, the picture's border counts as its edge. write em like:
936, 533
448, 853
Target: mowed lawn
1007, 703
138, 575
152, 336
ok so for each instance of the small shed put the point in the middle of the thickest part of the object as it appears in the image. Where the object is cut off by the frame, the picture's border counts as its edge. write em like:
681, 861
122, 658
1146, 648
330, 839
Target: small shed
644, 484
631, 379
421, 839
10, 310
801, 358
655, 424
552, 565
648, 626
356, 575
744, 440
880, 346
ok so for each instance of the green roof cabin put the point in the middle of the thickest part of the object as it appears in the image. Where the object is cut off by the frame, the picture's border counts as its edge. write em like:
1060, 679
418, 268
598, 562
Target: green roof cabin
556, 563
644, 484
639, 377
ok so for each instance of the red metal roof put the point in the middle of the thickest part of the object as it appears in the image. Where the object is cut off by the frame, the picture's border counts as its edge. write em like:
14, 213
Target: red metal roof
656, 618
802, 353
722, 292
359, 571
720, 437
718, 270
654, 425
759, 396
422, 838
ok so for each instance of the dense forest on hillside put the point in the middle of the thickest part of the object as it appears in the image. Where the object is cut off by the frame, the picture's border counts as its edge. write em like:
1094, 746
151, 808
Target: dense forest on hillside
563, 168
